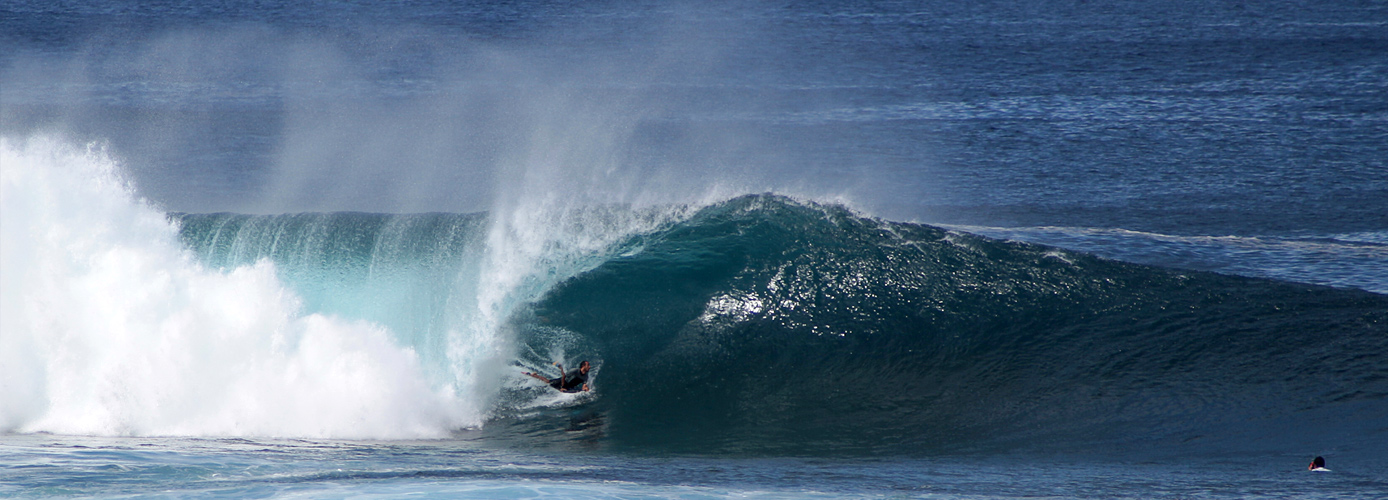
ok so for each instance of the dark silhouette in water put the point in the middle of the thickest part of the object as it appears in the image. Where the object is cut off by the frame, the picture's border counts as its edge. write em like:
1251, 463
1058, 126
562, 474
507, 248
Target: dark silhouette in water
1318, 463
574, 381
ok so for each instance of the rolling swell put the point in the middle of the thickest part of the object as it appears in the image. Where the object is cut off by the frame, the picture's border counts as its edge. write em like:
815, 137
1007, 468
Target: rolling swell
764, 325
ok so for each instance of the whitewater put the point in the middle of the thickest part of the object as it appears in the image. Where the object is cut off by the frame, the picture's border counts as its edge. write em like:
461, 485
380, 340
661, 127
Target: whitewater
118, 327
324, 333
813, 250
113, 327
131, 321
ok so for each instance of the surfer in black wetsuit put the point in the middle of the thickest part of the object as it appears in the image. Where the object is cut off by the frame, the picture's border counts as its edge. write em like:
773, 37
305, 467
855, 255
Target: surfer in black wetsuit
1318, 463
573, 381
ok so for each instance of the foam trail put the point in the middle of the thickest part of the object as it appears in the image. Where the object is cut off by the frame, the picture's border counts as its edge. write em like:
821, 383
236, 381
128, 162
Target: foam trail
111, 327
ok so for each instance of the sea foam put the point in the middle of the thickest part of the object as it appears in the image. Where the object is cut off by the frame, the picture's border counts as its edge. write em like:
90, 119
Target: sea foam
112, 327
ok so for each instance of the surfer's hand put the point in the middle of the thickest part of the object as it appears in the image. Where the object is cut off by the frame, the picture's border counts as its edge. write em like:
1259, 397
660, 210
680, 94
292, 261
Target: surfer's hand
585, 387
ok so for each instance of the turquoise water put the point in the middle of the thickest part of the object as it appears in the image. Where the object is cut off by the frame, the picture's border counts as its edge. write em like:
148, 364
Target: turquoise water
820, 249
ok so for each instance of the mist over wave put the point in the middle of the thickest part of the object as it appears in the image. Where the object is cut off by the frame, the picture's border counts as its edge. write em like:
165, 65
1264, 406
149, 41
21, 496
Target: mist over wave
813, 249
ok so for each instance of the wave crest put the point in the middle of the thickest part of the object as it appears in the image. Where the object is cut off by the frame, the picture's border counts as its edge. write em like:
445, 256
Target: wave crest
765, 324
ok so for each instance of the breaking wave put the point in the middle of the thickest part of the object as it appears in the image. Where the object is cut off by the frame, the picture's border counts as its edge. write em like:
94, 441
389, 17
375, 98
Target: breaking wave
760, 324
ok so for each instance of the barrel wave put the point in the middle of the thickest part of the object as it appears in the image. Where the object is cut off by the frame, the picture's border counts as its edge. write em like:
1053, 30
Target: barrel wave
768, 325
755, 325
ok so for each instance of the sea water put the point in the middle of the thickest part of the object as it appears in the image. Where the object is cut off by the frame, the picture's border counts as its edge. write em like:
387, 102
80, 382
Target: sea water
239, 468
907, 249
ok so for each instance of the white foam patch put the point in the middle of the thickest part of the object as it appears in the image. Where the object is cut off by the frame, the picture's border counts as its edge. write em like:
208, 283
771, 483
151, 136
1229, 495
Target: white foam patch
109, 326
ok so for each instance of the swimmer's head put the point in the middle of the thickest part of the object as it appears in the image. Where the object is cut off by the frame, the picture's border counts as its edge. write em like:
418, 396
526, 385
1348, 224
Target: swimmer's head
1318, 463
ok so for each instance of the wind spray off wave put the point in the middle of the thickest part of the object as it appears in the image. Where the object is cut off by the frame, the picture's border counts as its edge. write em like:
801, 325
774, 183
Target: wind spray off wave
111, 327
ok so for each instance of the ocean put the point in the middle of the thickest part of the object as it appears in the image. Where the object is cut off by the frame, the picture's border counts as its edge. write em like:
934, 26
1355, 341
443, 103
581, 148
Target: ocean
1057, 249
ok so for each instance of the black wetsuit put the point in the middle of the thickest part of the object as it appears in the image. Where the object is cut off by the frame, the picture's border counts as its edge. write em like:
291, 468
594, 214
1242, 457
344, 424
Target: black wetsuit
572, 382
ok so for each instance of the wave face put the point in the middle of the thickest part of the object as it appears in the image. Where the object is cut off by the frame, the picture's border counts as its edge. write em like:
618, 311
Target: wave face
759, 324
412, 274
767, 325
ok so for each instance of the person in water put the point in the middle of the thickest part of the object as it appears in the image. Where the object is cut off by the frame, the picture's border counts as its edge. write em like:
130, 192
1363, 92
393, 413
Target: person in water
1318, 463
573, 381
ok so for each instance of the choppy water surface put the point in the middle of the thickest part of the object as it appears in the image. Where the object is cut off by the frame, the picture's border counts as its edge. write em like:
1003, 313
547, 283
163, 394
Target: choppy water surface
45, 466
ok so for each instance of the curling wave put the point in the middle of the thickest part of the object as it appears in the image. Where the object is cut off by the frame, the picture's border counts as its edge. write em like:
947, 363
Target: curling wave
759, 324
764, 324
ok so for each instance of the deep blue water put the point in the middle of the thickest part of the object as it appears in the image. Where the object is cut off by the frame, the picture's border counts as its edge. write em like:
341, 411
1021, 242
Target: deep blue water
240, 468
833, 249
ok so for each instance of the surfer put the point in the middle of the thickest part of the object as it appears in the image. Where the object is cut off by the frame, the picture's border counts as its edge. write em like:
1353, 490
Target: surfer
573, 381
1317, 464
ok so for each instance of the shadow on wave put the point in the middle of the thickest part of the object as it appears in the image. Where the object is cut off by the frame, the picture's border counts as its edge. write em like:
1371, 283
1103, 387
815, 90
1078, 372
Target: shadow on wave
768, 326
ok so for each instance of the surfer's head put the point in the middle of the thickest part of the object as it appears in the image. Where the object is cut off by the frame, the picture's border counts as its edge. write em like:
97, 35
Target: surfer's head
1318, 463
583, 367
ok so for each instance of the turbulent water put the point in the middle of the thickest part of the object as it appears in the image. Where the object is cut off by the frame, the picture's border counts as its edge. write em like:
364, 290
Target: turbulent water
762, 324
820, 250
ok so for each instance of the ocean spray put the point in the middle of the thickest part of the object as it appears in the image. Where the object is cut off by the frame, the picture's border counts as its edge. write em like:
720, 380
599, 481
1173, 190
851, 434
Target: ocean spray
112, 327
117, 324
